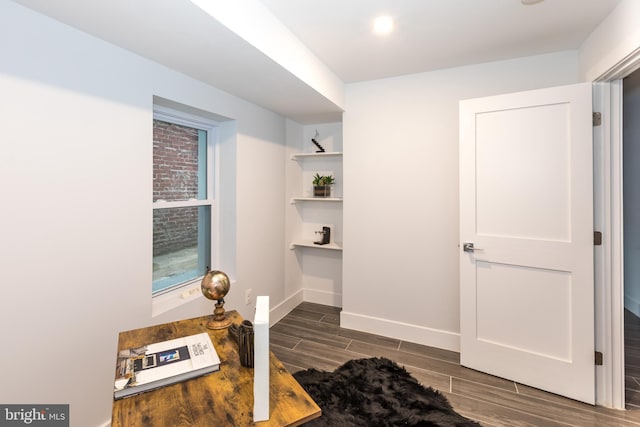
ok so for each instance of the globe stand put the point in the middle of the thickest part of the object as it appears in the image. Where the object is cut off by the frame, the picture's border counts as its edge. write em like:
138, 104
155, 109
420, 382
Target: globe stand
215, 285
219, 319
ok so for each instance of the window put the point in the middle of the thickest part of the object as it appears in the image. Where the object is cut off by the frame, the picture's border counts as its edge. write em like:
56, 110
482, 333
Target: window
183, 204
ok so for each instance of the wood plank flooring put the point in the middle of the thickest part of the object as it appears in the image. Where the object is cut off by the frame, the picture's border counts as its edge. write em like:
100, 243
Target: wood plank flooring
310, 337
632, 360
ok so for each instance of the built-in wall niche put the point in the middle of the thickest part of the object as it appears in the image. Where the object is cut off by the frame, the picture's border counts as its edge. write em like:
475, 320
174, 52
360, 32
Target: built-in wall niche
317, 212
318, 266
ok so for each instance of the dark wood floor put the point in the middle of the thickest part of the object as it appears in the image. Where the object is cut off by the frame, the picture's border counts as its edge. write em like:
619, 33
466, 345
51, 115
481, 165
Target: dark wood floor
310, 337
632, 360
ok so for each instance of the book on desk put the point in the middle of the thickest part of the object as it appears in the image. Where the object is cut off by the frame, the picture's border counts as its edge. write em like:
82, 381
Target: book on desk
159, 364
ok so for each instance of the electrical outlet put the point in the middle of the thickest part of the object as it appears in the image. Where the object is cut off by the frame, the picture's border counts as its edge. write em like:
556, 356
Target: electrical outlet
248, 295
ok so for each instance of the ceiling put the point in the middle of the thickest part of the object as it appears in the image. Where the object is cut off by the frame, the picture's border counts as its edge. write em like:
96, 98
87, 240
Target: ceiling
429, 35
435, 34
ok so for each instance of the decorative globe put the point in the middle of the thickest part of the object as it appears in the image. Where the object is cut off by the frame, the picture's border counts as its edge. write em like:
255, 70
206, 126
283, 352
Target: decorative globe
215, 285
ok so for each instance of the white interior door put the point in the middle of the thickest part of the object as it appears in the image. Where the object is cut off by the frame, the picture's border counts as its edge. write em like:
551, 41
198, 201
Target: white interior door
526, 201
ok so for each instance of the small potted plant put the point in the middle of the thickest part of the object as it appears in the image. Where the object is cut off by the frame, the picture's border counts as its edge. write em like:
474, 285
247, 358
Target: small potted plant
322, 185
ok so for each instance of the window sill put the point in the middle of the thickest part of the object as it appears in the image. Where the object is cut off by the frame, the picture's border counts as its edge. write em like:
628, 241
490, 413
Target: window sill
178, 297
175, 298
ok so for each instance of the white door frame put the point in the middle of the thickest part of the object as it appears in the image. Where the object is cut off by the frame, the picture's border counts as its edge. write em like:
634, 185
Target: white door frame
608, 215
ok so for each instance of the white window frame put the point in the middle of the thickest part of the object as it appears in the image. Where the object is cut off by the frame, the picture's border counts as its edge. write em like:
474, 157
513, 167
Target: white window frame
180, 293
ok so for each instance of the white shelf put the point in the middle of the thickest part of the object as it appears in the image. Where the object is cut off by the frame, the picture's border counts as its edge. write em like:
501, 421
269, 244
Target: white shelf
335, 246
315, 199
329, 160
297, 156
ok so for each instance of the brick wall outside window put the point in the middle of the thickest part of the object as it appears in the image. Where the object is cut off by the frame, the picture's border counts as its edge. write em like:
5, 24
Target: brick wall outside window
175, 177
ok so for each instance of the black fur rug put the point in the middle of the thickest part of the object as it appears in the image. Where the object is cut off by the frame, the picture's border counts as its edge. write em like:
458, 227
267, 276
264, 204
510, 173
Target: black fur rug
376, 392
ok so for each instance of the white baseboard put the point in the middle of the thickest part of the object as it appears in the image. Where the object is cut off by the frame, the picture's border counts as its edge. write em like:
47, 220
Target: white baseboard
374, 325
106, 423
632, 305
279, 311
402, 331
322, 297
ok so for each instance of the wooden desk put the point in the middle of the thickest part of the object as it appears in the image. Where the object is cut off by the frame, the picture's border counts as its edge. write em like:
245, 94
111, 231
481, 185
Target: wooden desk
223, 398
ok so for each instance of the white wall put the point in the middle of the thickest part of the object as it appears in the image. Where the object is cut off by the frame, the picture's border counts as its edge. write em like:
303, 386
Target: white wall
400, 265
616, 38
76, 223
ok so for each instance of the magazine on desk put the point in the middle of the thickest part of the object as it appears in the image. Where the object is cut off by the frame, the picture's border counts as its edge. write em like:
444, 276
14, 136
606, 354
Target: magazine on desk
156, 365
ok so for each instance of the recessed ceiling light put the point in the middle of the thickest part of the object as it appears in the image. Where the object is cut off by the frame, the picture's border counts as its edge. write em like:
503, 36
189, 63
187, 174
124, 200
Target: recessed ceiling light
383, 25
530, 2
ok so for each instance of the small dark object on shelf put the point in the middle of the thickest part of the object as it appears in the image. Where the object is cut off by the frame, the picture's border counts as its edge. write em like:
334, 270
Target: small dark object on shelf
317, 144
326, 236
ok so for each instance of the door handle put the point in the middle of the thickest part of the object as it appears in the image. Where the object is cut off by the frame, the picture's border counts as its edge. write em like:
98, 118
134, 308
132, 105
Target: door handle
468, 247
